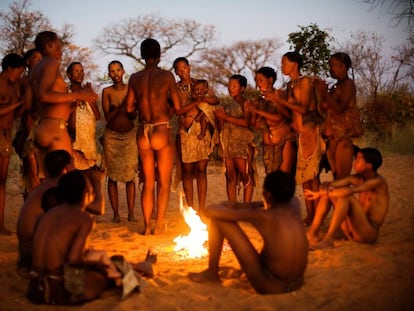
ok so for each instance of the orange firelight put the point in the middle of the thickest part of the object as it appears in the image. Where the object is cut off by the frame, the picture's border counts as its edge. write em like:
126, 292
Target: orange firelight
192, 244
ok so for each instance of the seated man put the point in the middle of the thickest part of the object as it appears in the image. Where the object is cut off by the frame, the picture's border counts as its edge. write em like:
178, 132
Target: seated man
64, 270
359, 218
57, 163
280, 266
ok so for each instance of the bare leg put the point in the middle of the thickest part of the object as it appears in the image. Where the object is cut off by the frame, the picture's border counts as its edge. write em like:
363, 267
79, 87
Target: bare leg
231, 177
4, 166
165, 161
215, 246
311, 204
322, 210
247, 178
340, 213
201, 176
147, 194
246, 254
130, 193
344, 155
289, 154
188, 169
113, 199
30, 170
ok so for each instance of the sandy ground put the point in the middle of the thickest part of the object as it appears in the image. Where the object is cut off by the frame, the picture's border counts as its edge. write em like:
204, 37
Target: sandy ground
350, 276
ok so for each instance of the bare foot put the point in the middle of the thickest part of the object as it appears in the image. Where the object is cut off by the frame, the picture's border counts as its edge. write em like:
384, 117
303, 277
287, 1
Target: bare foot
116, 219
204, 276
324, 244
147, 230
151, 257
159, 228
145, 267
312, 237
131, 218
5, 231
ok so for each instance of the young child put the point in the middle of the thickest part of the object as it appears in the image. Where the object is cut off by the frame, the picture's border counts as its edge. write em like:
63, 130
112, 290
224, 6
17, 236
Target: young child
359, 217
280, 266
200, 90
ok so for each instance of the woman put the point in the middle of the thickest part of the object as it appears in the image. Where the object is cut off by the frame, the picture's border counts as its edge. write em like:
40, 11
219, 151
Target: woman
273, 120
300, 98
342, 117
236, 140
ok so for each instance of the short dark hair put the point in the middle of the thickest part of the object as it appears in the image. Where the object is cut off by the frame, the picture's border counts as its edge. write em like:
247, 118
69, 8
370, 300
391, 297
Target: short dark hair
150, 49
179, 60
372, 156
241, 79
201, 81
294, 57
72, 187
268, 72
29, 53
115, 62
44, 38
278, 187
70, 67
55, 161
13, 60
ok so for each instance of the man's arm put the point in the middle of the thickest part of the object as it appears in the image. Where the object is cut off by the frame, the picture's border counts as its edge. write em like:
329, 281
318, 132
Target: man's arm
368, 185
46, 94
224, 211
130, 101
327, 187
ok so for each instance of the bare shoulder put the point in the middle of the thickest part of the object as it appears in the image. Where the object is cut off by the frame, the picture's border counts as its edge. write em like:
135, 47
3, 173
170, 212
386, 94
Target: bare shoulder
135, 76
304, 81
107, 89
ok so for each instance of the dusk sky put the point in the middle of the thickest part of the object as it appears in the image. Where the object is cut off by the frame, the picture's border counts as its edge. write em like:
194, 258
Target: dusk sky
234, 20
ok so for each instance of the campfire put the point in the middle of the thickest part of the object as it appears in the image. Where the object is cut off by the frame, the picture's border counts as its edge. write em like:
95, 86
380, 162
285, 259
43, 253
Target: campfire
192, 244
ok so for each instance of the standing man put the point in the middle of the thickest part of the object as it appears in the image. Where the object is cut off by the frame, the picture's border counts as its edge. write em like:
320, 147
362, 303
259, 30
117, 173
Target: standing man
119, 142
13, 67
51, 98
192, 152
149, 92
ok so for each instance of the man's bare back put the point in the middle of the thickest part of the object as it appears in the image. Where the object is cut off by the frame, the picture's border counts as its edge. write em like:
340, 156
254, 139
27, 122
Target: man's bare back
149, 92
280, 266
282, 226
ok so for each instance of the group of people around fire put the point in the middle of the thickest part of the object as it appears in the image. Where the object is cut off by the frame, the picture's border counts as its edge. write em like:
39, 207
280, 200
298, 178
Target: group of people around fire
302, 128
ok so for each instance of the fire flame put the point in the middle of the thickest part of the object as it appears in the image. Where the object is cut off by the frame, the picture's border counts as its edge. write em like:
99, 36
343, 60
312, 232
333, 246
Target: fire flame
193, 243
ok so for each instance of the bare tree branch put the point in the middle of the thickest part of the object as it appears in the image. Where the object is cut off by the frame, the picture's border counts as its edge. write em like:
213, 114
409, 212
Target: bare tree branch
176, 37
